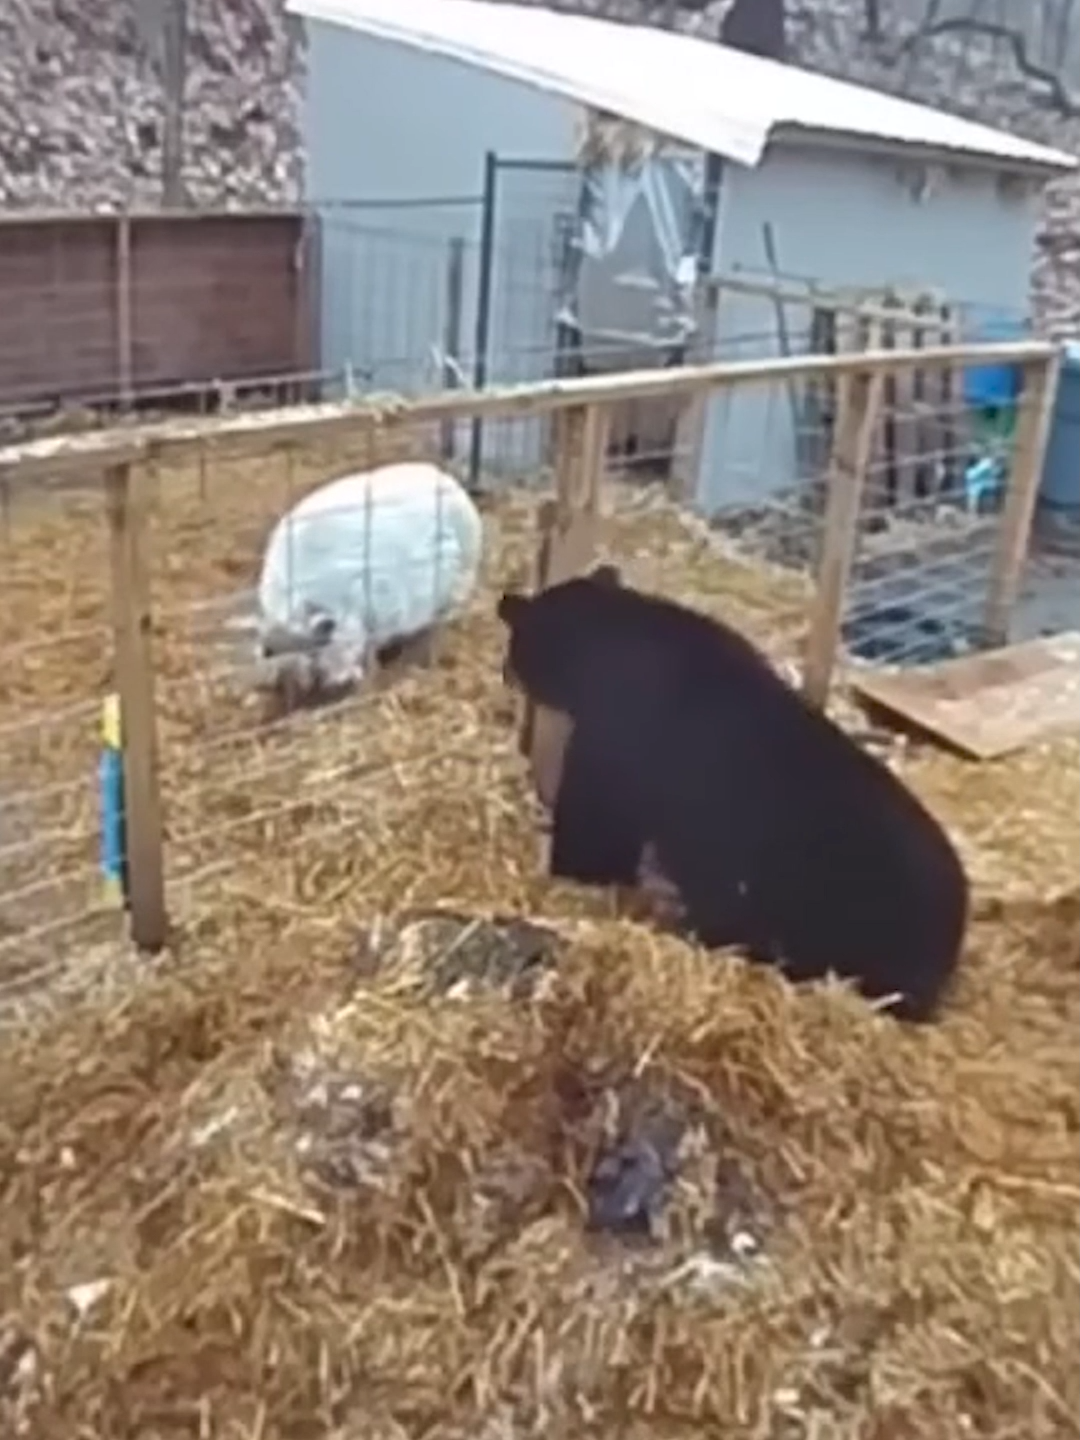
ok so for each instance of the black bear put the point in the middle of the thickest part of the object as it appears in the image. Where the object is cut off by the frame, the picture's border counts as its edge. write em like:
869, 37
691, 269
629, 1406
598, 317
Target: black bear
653, 895
781, 835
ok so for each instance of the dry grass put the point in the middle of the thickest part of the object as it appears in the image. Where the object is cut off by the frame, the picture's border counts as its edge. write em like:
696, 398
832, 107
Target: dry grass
329, 1202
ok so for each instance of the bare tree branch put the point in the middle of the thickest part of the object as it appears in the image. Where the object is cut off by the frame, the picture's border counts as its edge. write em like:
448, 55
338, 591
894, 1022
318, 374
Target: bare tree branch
1064, 26
1058, 94
174, 84
756, 26
872, 30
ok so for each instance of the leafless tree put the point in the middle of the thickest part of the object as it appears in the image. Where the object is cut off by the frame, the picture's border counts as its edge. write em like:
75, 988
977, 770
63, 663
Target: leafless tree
174, 83
163, 35
1040, 37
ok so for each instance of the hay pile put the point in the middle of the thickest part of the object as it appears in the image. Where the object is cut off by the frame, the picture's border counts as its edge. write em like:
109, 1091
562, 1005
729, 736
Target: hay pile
327, 1171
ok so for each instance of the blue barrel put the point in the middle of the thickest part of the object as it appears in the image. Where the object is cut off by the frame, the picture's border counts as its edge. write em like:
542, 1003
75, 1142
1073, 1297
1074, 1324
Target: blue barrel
1059, 493
994, 387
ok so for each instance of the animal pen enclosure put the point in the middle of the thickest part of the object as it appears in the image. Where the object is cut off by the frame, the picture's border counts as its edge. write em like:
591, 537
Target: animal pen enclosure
318, 1173
174, 537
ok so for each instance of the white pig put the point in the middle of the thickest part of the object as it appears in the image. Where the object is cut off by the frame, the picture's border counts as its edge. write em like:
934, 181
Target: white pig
364, 562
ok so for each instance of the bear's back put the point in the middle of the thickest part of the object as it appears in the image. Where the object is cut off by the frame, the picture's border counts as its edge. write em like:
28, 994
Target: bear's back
744, 787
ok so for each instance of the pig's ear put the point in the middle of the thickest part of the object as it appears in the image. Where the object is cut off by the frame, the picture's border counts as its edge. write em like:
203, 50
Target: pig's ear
511, 607
321, 627
606, 575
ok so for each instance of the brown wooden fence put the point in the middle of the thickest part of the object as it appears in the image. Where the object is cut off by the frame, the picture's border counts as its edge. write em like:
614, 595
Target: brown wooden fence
101, 308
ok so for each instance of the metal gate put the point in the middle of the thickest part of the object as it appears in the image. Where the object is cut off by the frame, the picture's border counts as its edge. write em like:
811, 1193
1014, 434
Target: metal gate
526, 272
584, 269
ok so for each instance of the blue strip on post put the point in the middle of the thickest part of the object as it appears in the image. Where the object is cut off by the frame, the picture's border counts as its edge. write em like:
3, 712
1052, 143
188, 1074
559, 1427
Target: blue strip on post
111, 795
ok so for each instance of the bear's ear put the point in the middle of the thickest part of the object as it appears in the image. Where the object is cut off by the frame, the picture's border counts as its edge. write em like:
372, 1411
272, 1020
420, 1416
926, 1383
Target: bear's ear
511, 607
608, 576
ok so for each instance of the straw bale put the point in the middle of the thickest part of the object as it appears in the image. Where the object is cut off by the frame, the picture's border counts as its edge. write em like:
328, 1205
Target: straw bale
324, 1169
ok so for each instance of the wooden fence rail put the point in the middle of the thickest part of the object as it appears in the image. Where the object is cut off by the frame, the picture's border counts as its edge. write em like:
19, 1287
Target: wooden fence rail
569, 527
312, 424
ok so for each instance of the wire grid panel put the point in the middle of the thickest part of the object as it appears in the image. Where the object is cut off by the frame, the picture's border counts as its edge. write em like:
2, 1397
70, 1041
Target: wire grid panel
55, 669
290, 766
399, 287
662, 546
765, 464
302, 800
928, 528
286, 801
931, 504
535, 211
216, 312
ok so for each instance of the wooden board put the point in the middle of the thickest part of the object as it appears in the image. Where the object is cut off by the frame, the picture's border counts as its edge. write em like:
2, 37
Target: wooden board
988, 705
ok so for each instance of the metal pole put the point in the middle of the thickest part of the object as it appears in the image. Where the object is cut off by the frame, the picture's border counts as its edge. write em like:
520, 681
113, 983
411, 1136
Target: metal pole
455, 275
174, 79
483, 309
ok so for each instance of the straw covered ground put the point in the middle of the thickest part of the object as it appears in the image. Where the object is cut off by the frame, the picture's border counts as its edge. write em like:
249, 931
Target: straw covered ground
328, 1167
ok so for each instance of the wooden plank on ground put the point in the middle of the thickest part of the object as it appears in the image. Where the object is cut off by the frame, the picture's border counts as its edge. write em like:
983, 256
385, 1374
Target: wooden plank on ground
990, 704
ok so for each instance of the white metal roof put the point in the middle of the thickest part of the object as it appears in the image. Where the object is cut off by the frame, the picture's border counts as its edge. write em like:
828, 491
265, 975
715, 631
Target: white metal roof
689, 89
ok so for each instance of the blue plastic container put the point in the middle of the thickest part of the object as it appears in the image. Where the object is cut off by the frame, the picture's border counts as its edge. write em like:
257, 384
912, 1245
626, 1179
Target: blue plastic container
994, 386
1059, 492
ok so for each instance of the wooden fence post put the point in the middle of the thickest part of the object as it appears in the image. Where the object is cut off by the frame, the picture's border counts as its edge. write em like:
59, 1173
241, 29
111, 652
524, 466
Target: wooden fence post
949, 400
853, 445
569, 530
125, 296
1036, 404
541, 571
692, 422
125, 500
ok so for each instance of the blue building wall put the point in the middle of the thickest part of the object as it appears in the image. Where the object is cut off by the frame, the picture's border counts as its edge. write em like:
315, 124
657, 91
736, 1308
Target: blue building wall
389, 124
843, 218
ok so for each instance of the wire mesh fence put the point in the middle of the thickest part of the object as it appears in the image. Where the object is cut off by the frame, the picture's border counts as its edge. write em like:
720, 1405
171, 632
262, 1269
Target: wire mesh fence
935, 485
55, 657
219, 312
279, 794
121, 314
398, 293
928, 530
209, 311
305, 796
249, 761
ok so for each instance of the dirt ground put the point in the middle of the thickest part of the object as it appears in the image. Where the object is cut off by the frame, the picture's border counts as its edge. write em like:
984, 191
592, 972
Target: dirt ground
311, 1175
